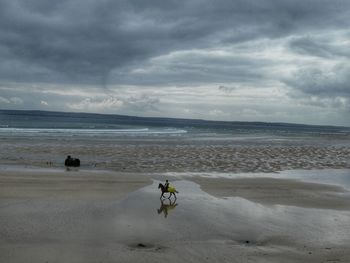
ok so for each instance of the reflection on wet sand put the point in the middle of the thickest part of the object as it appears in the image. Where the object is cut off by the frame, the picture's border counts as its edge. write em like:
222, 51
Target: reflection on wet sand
46, 216
72, 169
165, 207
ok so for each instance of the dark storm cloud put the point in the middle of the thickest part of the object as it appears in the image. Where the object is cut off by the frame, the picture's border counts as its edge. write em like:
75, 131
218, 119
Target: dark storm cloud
194, 68
319, 47
330, 83
226, 89
83, 41
325, 83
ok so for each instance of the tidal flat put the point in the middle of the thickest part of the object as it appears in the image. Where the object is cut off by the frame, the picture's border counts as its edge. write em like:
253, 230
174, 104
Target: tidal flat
52, 215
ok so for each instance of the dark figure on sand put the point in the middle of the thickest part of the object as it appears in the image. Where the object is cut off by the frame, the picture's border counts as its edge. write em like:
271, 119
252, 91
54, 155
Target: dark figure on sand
167, 189
71, 162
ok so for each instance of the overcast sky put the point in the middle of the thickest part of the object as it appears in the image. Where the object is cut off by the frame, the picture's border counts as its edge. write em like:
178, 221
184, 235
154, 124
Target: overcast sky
248, 60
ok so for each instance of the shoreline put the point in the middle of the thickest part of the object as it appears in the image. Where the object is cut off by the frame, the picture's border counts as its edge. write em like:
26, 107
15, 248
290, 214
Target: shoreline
284, 188
157, 155
278, 191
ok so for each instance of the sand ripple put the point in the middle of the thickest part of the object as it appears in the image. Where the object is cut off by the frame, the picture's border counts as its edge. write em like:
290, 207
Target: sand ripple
178, 157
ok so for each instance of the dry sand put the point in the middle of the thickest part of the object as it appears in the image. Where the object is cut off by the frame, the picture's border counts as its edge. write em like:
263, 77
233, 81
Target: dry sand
56, 216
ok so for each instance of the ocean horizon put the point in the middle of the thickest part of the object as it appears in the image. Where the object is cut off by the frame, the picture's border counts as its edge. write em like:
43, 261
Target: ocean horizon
145, 144
58, 119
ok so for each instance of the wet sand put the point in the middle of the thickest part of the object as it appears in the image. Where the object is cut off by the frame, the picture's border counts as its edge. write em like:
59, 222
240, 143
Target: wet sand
276, 191
154, 155
60, 184
57, 216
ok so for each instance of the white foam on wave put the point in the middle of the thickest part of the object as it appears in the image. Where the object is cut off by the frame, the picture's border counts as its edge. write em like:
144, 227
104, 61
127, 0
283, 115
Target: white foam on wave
52, 131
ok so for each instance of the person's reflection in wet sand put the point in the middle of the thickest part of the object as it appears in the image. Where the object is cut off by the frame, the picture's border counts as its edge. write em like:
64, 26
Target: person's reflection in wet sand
165, 207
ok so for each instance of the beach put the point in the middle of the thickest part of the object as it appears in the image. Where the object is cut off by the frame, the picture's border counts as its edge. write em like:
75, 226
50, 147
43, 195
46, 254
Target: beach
174, 131
157, 152
248, 192
55, 215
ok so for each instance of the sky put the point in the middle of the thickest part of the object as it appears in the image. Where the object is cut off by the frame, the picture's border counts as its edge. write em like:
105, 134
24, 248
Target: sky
234, 60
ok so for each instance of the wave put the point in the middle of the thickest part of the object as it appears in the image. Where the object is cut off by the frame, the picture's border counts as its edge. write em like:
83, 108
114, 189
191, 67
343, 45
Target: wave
50, 131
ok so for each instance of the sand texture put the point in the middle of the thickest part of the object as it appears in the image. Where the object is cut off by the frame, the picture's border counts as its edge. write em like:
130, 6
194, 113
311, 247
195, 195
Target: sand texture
160, 155
274, 191
58, 216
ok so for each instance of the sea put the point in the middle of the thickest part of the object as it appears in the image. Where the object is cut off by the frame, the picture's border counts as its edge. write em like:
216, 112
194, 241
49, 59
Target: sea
37, 139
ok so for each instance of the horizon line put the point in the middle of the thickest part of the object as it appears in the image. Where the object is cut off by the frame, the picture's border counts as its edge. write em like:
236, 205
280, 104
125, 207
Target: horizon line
176, 118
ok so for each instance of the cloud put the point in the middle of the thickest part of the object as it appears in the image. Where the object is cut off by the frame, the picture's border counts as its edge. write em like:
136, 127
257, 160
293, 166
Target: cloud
324, 88
4, 100
12, 100
193, 67
305, 45
96, 105
332, 82
226, 89
86, 41
16, 100
103, 104
325, 46
142, 103
215, 113
157, 58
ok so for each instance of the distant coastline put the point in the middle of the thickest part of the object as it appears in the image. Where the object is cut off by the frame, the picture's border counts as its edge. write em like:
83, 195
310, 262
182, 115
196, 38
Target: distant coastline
163, 121
144, 144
